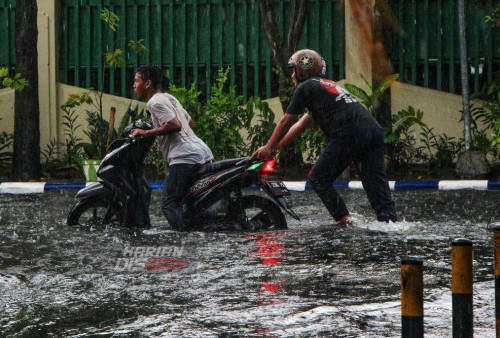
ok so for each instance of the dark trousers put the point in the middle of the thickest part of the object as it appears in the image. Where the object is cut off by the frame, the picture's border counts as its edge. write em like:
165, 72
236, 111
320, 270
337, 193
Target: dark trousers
179, 178
339, 152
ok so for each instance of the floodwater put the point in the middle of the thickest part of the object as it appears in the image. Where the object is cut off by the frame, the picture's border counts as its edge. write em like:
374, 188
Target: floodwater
313, 279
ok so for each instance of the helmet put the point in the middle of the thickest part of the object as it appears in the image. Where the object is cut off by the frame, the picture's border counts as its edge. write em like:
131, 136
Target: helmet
307, 63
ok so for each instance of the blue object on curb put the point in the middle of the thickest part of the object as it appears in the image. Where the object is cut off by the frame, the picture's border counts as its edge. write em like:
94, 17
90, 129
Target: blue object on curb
416, 185
493, 184
55, 186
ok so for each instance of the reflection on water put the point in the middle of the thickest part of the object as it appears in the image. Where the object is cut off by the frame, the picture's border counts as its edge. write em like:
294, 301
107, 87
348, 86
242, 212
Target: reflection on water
312, 279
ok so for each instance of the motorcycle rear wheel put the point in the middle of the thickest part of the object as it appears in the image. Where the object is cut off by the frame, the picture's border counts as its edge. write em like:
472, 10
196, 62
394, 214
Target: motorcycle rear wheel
261, 213
91, 211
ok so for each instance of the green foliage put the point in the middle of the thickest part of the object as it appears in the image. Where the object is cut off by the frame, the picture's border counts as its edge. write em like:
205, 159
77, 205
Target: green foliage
138, 46
67, 154
496, 134
439, 150
263, 125
401, 123
219, 126
494, 18
72, 144
154, 158
371, 98
97, 132
483, 123
189, 99
110, 18
17, 82
115, 59
312, 141
404, 152
51, 159
487, 114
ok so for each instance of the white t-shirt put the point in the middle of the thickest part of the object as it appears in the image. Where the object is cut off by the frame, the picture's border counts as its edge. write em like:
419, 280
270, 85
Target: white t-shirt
183, 146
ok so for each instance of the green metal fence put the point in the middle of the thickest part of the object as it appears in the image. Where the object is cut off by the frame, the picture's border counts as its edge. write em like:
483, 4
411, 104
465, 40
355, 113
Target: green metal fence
7, 37
426, 52
191, 39
194, 38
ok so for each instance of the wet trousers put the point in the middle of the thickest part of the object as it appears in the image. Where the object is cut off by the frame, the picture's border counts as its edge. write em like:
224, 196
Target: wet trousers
367, 148
179, 178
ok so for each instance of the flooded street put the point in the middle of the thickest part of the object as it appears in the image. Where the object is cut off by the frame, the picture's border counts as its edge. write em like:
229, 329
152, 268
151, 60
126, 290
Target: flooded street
312, 279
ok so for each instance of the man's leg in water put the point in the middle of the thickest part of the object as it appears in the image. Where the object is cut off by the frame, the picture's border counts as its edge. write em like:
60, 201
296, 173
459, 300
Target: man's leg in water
179, 178
374, 176
333, 160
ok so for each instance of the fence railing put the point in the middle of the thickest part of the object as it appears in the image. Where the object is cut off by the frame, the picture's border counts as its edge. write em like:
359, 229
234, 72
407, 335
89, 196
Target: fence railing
425, 51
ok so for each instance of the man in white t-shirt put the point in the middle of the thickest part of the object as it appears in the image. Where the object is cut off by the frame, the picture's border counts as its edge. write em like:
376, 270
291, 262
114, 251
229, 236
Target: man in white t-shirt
182, 149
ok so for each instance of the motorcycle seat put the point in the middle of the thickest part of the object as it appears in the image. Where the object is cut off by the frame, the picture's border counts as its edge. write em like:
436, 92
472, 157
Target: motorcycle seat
209, 168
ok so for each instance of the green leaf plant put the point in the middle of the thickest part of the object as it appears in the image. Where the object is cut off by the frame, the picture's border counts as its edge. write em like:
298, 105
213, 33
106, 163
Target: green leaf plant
372, 97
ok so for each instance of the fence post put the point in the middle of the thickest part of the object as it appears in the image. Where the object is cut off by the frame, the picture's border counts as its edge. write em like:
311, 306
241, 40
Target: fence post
461, 287
496, 240
412, 305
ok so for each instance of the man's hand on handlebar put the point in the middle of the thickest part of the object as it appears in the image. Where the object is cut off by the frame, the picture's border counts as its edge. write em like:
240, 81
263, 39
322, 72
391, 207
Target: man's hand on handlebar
263, 152
137, 133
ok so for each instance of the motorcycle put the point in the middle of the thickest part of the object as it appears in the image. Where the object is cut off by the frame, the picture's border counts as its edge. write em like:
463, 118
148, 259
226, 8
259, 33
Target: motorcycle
219, 196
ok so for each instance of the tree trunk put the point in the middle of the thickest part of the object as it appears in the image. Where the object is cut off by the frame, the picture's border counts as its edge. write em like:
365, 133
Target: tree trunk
281, 51
26, 154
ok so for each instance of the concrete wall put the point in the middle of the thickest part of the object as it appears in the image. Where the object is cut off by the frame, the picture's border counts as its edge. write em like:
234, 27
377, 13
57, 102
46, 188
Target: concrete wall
6, 110
121, 104
442, 111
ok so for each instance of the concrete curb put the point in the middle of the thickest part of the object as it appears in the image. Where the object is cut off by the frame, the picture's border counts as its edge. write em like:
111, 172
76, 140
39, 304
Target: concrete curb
41, 187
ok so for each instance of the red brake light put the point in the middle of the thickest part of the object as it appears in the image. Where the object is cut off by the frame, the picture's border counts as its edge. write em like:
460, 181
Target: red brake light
268, 166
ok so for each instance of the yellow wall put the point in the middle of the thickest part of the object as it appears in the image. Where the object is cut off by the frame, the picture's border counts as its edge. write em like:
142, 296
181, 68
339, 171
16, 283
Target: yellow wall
442, 111
7, 110
121, 104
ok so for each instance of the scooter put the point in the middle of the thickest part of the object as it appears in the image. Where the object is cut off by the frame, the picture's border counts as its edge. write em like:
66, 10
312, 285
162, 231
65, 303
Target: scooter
219, 196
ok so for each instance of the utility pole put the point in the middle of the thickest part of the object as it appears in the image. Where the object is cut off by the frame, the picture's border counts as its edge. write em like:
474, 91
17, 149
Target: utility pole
462, 26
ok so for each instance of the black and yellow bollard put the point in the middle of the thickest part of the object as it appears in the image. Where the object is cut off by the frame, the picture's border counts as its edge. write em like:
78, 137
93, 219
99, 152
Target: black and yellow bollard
461, 287
412, 303
496, 240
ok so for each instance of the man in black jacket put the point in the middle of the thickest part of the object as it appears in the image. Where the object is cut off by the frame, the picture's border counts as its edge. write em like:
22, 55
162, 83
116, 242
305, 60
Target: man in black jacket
353, 135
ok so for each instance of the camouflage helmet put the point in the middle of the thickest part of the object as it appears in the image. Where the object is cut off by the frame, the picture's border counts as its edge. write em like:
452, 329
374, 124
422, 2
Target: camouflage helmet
307, 63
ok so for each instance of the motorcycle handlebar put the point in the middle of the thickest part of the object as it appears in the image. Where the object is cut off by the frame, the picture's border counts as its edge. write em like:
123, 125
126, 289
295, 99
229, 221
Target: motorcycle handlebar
247, 160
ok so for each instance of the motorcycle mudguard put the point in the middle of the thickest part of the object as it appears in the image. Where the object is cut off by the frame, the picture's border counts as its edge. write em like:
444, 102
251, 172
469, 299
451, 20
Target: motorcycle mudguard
282, 203
277, 190
94, 189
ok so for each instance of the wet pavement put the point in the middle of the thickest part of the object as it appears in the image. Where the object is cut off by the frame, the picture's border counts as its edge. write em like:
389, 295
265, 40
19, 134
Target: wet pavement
313, 279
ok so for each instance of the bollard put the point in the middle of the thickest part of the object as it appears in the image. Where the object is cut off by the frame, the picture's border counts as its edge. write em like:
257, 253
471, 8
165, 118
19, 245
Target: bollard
496, 240
412, 304
461, 287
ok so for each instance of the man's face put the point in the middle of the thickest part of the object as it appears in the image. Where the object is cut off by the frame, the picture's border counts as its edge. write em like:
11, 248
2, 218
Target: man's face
139, 86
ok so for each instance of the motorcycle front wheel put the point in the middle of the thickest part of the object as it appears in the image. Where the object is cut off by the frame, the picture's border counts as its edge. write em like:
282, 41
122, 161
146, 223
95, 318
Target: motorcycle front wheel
261, 213
92, 211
